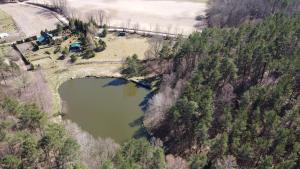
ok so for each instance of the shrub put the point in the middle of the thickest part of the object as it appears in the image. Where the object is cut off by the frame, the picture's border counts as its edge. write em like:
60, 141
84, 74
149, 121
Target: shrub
19, 41
31, 117
133, 67
100, 46
47, 52
89, 54
2, 135
74, 58
10, 106
10, 161
65, 51
104, 33
57, 49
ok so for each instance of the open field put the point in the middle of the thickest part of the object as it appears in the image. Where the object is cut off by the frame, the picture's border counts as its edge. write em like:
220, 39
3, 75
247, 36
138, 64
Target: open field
30, 20
176, 16
6, 23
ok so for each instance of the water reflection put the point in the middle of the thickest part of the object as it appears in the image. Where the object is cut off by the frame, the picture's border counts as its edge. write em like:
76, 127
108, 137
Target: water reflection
104, 107
130, 89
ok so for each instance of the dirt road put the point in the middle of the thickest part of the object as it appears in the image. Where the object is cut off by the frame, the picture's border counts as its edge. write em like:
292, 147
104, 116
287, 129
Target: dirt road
30, 20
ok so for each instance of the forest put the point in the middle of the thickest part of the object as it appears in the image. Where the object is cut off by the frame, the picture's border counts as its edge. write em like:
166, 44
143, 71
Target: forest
240, 106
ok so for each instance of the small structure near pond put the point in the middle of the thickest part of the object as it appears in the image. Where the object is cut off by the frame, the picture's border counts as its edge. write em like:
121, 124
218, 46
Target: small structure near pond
75, 47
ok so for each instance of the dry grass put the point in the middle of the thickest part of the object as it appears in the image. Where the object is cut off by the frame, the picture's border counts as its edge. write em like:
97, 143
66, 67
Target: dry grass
119, 48
3, 50
6, 23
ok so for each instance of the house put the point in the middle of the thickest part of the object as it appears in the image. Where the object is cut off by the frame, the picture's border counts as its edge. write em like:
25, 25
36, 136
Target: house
3, 35
44, 38
75, 47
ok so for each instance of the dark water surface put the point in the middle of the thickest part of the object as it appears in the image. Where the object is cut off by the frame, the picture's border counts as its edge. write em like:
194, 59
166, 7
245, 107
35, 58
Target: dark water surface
105, 107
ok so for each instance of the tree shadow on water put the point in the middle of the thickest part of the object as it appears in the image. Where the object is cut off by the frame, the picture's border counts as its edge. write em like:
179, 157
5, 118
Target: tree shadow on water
137, 122
116, 82
144, 104
141, 132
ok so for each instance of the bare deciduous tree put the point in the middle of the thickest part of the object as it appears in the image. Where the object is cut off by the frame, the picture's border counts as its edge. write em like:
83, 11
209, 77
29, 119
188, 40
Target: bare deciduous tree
227, 162
107, 20
128, 24
72, 13
169, 28
60, 5
155, 47
223, 13
136, 27
93, 151
101, 16
163, 101
157, 28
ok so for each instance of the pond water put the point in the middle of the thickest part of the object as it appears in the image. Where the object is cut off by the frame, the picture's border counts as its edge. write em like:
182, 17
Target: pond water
104, 107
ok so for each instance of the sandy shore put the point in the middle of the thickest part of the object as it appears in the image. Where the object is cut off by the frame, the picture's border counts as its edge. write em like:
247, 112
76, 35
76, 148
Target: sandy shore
176, 16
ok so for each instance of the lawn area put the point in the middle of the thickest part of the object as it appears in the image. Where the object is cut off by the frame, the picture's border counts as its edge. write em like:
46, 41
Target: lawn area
7, 23
119, 48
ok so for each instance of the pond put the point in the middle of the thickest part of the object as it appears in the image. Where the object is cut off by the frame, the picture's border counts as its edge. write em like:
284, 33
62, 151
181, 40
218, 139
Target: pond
104, 107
